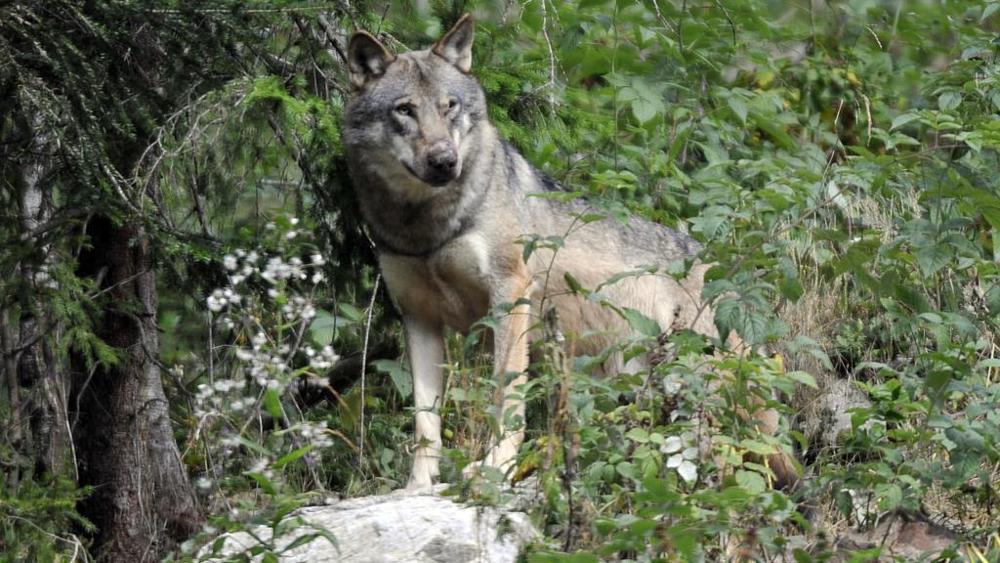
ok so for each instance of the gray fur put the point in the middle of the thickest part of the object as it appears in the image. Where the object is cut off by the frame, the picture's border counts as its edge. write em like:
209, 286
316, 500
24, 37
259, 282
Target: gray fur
448, 235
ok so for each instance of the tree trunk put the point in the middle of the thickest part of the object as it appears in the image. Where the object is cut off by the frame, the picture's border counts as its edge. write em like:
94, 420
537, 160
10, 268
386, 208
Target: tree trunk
45, 396
37, 364
15, 434
143, 502
47, 400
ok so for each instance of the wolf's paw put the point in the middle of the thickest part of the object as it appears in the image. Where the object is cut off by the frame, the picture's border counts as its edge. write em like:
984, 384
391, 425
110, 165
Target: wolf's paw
424, 474
419, 489
500, 457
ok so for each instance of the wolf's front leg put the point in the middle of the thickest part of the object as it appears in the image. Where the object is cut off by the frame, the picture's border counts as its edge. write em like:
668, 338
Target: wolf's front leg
511, 358
426, 349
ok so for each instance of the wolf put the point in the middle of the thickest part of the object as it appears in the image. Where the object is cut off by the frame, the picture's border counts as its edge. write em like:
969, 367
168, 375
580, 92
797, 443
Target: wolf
450, 207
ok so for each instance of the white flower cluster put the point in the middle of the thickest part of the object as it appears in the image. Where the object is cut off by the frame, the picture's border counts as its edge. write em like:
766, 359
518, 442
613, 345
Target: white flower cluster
220, 298
278, 269
271, 352
242, 265
683, 455
324, 359
267, 364
232, 262
315, 433
263, 467
213, 397
299, 307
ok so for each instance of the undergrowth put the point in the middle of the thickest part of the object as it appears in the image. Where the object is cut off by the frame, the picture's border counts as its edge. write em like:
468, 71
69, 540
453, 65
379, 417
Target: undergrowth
838, 161
843, 180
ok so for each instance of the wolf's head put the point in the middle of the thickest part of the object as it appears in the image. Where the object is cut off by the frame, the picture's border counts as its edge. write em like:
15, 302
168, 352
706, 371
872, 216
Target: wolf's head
412, 114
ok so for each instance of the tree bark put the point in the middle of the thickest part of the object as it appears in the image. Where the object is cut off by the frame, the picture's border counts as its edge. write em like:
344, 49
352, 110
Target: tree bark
47, 401
15, 433
143, 502
45, 385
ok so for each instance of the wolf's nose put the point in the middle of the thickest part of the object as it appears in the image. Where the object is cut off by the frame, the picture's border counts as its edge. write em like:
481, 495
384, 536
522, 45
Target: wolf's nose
442, 158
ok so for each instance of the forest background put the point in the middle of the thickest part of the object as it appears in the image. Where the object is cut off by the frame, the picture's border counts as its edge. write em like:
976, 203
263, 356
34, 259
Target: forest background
195, 336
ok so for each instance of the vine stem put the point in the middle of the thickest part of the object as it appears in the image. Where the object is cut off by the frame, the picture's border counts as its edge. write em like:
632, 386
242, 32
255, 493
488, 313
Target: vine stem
364, 369
552, 56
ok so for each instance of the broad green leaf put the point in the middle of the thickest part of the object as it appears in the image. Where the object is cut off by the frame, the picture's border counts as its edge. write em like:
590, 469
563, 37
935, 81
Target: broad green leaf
949, 101
931, 258
904, 118
350, 312
638, 435
293, 456
646, 103
398, 373
264, 482
890, 495
641, 323
322, 327
739, 107
803, 377
750, 481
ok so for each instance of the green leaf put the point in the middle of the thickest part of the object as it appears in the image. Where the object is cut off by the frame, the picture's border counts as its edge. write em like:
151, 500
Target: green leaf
757, 447
398, 373
949, 101
739, 107
641, 323
774, 131
626, 469
750, 481
322, 327
572, 283
272, 401
301, 540
933, 257
264, 482
293, 456
638, 435
350, 312
890, 495
623, 275
938, 380
988, 10
967, 439
802, 377
685, 540
646, 103
904, 118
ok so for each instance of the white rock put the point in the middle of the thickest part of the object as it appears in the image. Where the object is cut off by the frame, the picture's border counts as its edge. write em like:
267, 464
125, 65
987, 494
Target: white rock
395, 528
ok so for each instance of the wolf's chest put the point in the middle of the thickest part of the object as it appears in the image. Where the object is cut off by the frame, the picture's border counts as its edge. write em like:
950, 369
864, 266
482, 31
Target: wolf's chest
451, 286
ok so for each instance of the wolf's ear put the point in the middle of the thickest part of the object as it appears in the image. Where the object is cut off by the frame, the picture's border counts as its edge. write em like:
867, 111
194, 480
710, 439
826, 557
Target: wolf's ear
366, 58
456, 45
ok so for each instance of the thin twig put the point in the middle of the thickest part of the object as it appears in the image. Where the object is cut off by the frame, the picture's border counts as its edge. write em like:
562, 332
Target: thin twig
552, 56
364, 366
732, 25
659, 16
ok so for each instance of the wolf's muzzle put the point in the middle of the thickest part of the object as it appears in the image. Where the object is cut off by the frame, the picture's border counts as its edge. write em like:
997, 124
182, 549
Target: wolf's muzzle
442, 163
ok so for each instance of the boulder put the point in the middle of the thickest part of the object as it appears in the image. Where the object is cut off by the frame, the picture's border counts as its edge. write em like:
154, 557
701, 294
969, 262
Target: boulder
390, 528
902, 534
826, 415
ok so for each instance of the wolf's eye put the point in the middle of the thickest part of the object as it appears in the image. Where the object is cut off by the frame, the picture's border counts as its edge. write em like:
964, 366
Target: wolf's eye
452, 104
405, 110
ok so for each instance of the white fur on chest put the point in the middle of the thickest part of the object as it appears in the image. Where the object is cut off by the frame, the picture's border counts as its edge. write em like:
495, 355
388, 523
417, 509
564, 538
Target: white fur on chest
461, 274
451, 286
